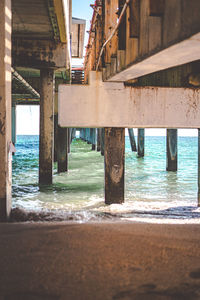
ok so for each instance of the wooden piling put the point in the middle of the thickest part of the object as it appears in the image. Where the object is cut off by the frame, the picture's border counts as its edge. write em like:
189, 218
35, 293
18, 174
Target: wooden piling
132, 139
73, 135
93, 138
62, 149
171, 150
5, 109
69, 139
102, 140
98, 139
55, 136
46, 126
140, 139
114, 165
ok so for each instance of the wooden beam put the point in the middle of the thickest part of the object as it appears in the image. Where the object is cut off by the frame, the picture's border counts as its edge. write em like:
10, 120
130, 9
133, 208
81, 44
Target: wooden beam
180, 53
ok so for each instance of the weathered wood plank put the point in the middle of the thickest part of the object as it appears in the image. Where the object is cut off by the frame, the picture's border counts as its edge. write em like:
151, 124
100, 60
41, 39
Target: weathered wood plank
155, 33
134, 18
172, 21
156, 7
144, 27
131, 42
190, 17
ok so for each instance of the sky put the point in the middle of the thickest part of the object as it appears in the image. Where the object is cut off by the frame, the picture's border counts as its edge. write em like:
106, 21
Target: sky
28, 116
82, 10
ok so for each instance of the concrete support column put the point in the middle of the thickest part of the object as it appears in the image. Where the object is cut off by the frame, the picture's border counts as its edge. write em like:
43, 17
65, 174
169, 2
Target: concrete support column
98, 139
114, 165
14, 123
46, 126
5, 109
132, 139
198, 167
171, 149
62, 149
140, 142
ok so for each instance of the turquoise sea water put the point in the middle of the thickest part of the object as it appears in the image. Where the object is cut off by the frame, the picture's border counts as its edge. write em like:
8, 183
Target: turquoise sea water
150, 191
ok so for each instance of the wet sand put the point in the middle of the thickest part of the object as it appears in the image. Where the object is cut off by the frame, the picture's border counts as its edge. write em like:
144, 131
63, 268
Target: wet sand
99, 261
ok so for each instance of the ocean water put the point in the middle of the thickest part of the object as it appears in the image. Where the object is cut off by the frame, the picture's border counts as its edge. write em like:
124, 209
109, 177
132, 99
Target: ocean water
151, 193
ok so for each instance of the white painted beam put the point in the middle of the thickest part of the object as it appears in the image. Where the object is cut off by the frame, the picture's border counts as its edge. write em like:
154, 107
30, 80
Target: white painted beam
178, 54
107, 104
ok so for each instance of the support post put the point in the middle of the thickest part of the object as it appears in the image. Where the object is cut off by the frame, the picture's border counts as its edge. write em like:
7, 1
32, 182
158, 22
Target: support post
69, 139
98, 139
5, 109
114, 165
198, 166
55, 136
93, 138
62, 149
171, 149
102, 140
73, 134
132, 139
89, 136
140, 142
46, 126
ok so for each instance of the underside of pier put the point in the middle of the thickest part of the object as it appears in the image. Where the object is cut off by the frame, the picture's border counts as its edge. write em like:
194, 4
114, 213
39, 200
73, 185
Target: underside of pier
141, 70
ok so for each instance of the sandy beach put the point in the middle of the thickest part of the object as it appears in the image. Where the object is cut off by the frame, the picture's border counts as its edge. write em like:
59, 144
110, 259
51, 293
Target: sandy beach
99, 261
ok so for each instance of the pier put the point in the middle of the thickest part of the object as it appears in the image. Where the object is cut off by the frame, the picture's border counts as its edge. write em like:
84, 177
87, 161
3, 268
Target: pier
141, 70
132, 55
